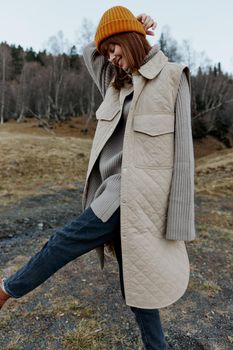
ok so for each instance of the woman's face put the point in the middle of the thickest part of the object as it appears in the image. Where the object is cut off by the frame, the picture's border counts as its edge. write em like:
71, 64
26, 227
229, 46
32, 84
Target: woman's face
116, 56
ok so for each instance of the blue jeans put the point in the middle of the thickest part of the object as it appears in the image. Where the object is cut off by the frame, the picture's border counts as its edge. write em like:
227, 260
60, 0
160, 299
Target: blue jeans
78, 237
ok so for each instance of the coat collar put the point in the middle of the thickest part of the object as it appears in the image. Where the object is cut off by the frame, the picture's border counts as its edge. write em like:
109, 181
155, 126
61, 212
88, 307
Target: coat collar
153, 63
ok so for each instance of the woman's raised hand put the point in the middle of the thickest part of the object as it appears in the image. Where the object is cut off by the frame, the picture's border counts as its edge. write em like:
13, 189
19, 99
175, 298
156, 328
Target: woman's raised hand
147, 22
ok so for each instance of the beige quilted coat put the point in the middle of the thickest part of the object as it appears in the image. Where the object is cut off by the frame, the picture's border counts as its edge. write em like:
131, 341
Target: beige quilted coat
155, 270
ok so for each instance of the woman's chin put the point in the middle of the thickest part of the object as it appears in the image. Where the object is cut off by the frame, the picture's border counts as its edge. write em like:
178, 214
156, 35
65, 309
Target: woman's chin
124, 66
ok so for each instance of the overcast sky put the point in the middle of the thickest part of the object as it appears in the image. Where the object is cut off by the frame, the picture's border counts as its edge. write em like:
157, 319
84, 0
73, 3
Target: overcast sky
206, 23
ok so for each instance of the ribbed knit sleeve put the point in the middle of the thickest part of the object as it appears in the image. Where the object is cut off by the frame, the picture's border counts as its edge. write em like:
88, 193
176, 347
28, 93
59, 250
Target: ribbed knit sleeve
100, 69
180, 215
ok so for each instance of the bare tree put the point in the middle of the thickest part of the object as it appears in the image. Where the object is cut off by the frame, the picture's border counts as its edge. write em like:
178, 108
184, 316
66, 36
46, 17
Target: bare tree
5, 64
169, 45
211, 90
189, 55
84, 36
26, 88
57, 45
212, 103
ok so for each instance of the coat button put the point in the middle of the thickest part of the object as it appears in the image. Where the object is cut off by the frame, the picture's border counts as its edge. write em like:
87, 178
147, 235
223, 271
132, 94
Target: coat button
124, 170
123, 201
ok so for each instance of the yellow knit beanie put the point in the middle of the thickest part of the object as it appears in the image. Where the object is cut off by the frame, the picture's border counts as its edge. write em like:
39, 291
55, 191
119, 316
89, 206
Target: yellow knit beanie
117, 19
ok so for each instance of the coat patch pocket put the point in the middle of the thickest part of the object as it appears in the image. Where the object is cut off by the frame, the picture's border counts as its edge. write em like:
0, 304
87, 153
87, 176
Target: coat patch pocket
153, 140
108, 109
106, 116
102, 114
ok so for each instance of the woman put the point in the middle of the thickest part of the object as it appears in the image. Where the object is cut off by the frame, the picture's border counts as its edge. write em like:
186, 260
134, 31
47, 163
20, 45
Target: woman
139, 192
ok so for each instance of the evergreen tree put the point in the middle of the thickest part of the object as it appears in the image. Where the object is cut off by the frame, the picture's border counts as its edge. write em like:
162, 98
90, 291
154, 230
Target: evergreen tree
17, 54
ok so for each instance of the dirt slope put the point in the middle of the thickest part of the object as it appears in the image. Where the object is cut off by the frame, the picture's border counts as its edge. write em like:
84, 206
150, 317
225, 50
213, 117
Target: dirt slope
214, 174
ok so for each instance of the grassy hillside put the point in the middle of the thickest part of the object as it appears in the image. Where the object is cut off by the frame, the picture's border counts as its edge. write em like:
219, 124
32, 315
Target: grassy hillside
33, 160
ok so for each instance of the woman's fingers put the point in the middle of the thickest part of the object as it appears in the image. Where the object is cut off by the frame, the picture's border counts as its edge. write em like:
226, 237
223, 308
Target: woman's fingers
147, 22
149, 32
141, 17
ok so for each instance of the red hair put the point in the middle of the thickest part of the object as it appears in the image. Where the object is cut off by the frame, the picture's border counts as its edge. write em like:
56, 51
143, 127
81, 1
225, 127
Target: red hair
134, 47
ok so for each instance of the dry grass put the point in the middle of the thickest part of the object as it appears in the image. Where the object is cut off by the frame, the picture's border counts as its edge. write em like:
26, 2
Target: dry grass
214, 174
74, 127
34, 161
208, 145
87, 336
13, 345
31, 164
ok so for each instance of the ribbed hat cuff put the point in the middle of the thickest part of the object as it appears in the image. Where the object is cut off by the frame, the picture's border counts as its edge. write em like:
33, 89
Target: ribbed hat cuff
125, 25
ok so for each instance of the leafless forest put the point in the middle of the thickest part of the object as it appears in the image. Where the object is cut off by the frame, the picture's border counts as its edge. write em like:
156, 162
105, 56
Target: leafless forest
54, 85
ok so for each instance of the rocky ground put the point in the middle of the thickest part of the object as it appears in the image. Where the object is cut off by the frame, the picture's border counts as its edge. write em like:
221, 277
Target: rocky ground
80, 307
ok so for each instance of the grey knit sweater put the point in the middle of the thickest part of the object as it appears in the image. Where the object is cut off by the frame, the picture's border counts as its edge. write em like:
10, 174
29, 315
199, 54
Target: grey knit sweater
106, 199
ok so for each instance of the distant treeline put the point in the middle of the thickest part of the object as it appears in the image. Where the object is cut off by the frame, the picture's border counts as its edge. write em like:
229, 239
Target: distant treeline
54, 87
43, 85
